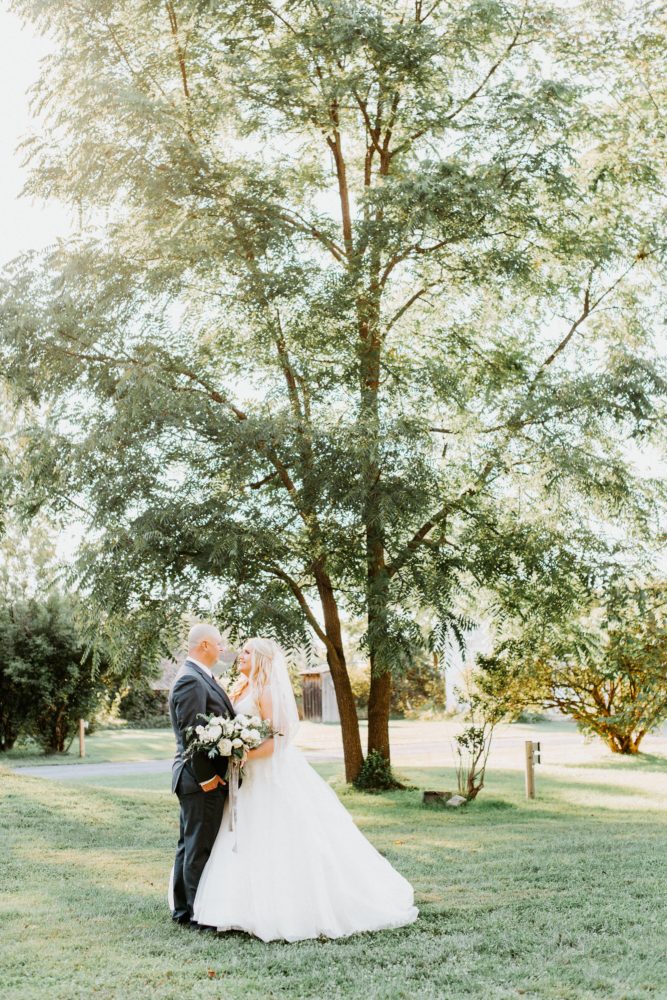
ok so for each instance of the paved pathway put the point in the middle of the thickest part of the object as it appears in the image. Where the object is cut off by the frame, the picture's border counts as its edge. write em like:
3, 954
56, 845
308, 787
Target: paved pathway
414, 744
74, 772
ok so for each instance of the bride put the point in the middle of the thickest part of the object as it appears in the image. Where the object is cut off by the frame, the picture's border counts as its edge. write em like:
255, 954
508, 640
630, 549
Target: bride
295, 866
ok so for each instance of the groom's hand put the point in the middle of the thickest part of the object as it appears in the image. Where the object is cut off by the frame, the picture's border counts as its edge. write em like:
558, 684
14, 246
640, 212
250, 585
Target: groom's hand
209, 786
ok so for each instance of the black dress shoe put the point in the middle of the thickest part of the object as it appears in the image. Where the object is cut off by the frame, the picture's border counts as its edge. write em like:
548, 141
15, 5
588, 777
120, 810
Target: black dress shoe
183, 920
204, 928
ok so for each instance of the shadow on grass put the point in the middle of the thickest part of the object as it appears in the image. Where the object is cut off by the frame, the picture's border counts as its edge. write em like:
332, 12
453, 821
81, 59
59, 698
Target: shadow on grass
504, 887
651, 762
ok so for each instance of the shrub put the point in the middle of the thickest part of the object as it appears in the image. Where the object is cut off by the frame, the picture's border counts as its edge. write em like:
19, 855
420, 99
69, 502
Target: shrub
376, 774
47, 679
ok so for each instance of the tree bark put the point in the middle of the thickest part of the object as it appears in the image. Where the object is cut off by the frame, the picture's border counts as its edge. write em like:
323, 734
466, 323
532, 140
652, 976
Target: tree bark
377, 587
623, 743
379, 703
347, 709
8, 735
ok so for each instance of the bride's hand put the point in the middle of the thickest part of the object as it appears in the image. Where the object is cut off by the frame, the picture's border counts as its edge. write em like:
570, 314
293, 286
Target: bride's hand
265, 749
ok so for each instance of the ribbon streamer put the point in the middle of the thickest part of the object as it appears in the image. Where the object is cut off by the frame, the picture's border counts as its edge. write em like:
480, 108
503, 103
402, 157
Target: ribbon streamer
234, 769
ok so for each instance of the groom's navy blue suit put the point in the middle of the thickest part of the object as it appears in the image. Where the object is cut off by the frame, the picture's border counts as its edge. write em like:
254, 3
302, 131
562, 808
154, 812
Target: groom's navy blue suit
193, 693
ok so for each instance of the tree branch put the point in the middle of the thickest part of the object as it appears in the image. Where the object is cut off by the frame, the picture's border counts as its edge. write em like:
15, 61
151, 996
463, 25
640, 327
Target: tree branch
587, 309
336, 147
475, 93
302, 225
262, 446
406, 305
514, 425
303, 603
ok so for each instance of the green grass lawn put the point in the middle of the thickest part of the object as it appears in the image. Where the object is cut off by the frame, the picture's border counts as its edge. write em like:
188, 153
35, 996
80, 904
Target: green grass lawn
559, 898
104, 746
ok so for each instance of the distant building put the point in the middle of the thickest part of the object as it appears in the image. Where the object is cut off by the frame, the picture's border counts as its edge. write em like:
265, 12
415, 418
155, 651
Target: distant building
319, 697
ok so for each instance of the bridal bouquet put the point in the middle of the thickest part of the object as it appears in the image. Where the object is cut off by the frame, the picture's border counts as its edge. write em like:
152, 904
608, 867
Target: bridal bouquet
233, 738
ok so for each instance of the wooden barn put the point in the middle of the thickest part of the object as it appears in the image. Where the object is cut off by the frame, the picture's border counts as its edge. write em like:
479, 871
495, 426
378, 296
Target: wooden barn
319, 697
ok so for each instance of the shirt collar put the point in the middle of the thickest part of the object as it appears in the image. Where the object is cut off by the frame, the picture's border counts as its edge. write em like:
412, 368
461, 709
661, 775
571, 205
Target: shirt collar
202, 665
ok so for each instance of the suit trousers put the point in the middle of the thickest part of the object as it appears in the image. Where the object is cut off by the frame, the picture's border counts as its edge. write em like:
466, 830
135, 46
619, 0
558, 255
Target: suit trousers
201, 815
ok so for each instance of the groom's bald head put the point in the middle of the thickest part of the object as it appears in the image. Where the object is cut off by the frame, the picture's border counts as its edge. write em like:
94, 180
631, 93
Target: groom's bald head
205, 643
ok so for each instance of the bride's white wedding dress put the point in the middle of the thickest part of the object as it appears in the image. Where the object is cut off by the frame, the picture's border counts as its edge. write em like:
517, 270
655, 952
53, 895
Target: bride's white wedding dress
301, 867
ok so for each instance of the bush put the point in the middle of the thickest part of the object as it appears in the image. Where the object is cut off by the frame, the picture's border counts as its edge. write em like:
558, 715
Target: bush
472, 748
606, 668
376, 774
47, 680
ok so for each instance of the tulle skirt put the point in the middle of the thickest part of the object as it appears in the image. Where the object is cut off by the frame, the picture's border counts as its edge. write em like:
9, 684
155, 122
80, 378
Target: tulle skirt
301, 867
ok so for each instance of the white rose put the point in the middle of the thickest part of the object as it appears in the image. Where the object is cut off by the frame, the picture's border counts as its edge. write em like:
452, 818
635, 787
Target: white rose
255, 721
214, 733
237, 742
228, 727
225, 748
242, 720
200, 730
218, 720
246, 734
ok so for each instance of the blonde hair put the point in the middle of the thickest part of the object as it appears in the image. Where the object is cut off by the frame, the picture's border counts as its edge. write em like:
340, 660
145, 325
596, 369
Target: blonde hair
262, 652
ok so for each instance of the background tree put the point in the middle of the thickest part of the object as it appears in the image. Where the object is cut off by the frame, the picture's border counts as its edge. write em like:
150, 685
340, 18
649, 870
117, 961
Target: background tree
605, 667
48, 680
359, 287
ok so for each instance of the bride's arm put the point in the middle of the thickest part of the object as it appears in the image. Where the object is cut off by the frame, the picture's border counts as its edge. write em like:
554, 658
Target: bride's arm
265, 749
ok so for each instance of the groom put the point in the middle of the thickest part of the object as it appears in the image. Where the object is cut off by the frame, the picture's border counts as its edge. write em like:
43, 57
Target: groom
199, 783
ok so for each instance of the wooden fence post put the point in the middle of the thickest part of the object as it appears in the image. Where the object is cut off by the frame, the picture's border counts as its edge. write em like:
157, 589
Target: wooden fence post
530, 770
82, 738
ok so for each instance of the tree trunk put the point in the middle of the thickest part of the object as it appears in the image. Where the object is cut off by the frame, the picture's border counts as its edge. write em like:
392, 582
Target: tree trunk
623, 743
347, 709
377, 586
379, 703
8, 737
56, 740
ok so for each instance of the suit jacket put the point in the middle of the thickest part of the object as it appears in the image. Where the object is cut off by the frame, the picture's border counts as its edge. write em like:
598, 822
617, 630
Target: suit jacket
193, 693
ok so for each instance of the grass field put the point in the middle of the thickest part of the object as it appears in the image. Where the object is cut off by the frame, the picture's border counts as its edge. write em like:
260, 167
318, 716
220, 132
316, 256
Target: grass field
559, 899
104, 746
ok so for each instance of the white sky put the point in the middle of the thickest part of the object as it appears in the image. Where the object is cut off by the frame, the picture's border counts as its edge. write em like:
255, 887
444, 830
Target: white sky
24, 224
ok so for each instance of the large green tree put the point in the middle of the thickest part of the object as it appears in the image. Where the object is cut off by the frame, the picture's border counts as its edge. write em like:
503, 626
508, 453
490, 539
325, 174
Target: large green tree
359, 288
